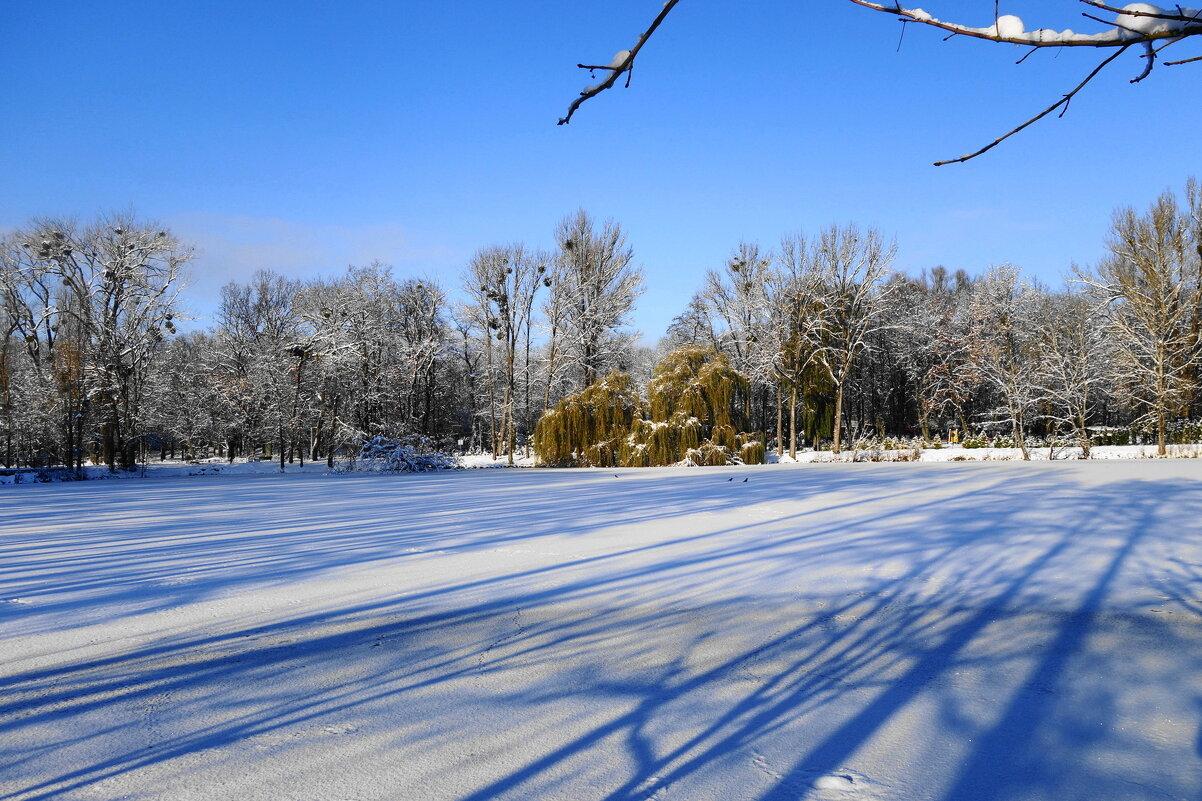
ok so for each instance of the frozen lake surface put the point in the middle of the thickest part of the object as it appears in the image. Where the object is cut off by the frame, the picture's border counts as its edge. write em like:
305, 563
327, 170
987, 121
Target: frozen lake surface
879, 631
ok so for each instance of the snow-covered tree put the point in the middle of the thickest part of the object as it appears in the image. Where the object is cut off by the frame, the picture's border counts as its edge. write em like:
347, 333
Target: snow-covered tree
503, 282
1005, 346
1151, 288
851, 267
93, 303
1075, 362
924, 311
595, 285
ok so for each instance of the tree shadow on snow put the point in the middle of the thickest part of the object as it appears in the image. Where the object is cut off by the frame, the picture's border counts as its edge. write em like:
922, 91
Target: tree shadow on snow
973, 634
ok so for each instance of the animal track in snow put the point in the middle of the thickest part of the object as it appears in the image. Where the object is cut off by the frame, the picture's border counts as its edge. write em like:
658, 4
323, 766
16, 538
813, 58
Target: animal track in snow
834, 784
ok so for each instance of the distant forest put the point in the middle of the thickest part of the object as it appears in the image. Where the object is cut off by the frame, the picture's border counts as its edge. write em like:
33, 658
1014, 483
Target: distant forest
821, 340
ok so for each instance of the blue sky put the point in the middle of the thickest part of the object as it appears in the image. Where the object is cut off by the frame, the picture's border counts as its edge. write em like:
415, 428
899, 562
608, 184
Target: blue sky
304, 136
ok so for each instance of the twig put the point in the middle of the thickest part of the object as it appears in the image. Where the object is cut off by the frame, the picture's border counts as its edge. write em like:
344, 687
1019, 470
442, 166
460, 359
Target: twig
1178, 17
1151, 57
627, 65
992, 35
1064, 101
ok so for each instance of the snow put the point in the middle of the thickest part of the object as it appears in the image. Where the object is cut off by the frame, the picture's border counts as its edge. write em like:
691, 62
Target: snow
176, 469
1009, 26
1128, 25
488, 460
825, 631
958, 453
619, 59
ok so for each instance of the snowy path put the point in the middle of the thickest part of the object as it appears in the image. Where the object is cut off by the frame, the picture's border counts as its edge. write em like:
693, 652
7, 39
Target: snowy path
844, 632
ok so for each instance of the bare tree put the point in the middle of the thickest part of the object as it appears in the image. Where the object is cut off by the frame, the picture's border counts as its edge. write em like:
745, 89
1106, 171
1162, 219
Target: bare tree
259, 340
1004, 348
1151, 288
693, 326
797, 300
1075, 362
851, 267
503, 283
739, 294
113, 286
597, 285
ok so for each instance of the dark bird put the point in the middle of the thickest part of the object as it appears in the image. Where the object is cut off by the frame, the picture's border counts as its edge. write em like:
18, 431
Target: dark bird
732, 478
744, 481
615, 475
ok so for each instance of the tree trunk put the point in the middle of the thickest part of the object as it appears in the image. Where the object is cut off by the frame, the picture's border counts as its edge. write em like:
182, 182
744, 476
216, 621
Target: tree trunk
333, 425
1020, 436
793, 422
837, 433
1085, 443
780, 420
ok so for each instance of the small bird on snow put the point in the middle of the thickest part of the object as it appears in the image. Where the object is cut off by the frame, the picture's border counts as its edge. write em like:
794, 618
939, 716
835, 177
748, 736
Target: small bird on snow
744, 481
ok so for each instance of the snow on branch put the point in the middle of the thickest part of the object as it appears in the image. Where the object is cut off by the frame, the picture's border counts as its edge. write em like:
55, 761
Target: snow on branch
622, 62
1136, 23
1143, 24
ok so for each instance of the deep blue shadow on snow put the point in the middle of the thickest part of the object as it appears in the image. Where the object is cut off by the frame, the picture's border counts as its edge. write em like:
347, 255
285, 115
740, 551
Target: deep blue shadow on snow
949, 633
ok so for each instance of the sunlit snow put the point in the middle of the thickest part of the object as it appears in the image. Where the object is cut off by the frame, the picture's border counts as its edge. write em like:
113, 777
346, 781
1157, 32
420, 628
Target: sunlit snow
879, 631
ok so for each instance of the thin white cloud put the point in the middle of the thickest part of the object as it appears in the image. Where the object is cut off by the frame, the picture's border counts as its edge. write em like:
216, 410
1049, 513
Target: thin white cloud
232, 247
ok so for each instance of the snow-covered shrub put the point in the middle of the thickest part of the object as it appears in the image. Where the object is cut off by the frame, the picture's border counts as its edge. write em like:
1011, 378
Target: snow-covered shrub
887, 455
707, 454
753, 451
895, 444
408, 455
39, 475
1185, 432
1110, 436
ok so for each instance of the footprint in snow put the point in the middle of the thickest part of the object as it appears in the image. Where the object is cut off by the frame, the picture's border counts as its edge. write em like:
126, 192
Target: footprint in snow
839, 781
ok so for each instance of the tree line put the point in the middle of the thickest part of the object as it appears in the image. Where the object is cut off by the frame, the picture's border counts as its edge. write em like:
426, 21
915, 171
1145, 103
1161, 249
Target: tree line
823, 340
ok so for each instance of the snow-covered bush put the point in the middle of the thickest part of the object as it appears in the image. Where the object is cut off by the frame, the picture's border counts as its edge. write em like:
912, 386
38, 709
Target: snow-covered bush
708, 454
869, 455
408, 455
38, 475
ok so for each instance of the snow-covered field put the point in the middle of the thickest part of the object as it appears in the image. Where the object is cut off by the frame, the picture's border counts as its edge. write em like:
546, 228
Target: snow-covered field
842, 632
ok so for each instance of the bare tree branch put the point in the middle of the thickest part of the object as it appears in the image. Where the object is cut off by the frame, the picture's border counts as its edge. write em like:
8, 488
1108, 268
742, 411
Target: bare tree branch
623, 62
1064, 101
1155, 29
1007, 28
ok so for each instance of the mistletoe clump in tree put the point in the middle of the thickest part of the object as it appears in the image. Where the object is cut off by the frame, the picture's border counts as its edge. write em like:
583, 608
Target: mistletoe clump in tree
698, 401
589, 428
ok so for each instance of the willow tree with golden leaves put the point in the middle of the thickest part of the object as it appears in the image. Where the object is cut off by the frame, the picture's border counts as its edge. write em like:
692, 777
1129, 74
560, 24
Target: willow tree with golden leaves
591, 427
698, 403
